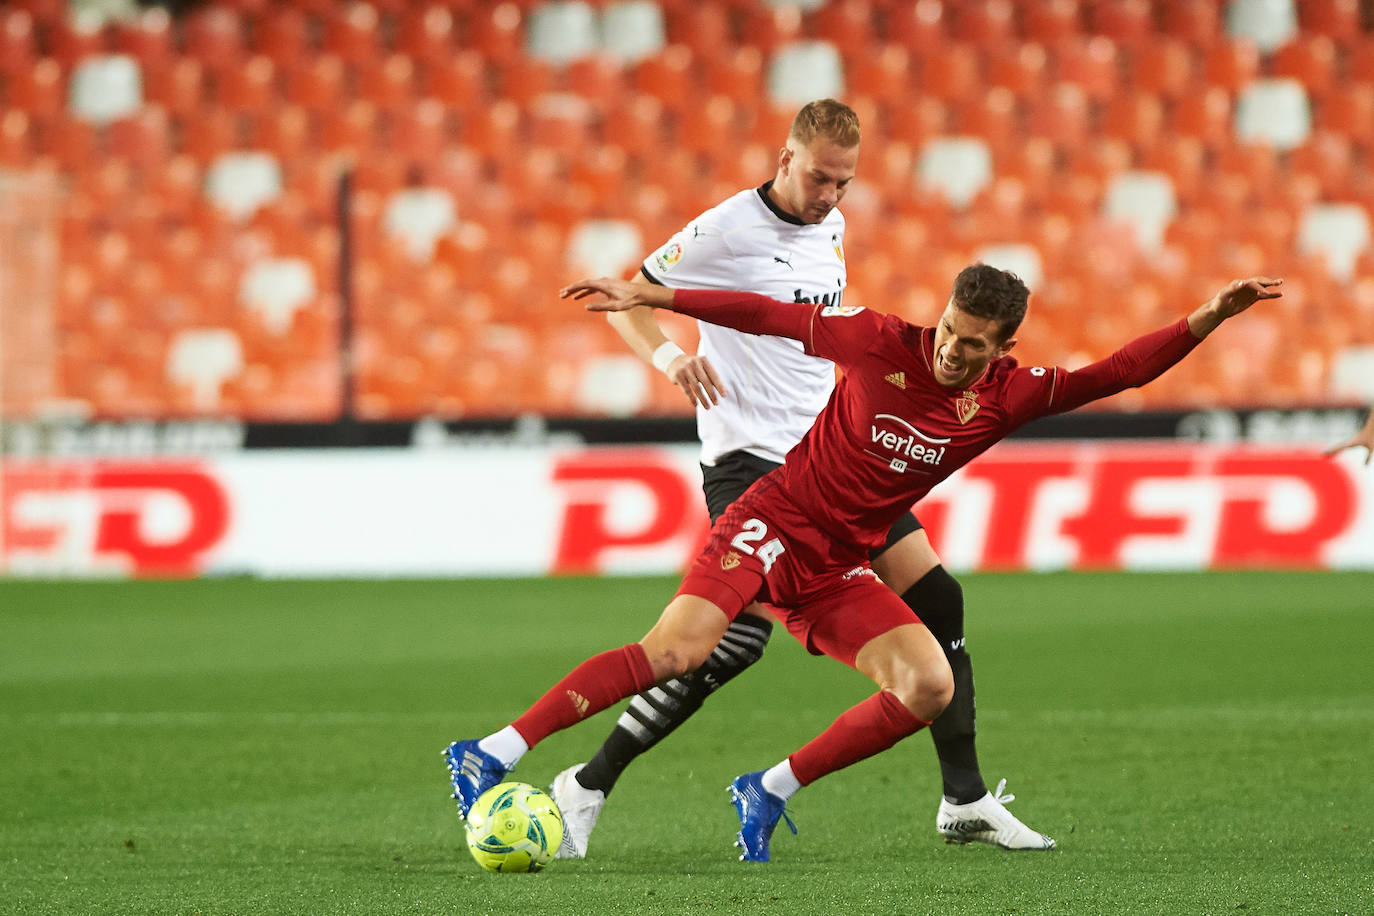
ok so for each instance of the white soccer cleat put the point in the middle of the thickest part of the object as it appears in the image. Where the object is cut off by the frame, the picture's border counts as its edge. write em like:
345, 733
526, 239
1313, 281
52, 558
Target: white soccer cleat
581, 807
988, 821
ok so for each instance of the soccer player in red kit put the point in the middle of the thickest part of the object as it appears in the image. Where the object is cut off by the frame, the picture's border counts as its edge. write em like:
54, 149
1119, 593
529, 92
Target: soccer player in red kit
914, 405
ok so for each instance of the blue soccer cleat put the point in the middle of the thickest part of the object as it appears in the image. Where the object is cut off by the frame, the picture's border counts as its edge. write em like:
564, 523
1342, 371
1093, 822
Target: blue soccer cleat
472, 772
759, 811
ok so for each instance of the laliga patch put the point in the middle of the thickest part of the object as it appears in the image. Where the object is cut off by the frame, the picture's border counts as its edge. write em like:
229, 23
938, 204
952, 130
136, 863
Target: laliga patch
841, 311
667, 258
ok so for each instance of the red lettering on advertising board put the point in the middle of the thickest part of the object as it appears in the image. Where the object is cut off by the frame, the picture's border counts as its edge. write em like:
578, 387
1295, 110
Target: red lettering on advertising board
119, 496
1247, 535
587, 533
1110, 518
1015, 485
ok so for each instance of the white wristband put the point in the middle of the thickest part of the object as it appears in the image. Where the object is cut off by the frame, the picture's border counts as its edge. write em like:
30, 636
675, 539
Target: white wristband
665, 354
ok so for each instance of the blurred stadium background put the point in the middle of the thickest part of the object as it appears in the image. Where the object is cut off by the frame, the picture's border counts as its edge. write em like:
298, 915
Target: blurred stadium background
235, 233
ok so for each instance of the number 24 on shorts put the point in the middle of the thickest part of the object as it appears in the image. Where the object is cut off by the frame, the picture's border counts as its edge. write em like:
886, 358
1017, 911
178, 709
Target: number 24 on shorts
752, 531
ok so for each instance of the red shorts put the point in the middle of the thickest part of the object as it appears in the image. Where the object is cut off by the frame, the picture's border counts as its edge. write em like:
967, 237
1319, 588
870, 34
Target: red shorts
764, 549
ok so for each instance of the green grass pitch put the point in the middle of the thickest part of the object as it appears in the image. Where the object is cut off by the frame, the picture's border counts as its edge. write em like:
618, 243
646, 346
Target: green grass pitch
1196, 743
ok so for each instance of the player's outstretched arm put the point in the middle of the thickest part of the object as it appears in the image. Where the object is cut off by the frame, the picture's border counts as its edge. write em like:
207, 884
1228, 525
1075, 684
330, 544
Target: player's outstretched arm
638, 327
1232, 299
1364, 437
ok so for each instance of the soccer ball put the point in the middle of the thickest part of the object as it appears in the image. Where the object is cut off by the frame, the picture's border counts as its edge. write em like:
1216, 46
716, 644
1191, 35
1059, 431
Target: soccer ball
514, 827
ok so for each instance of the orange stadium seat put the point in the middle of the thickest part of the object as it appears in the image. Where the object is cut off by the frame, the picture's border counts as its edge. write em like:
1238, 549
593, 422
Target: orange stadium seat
917, 26
983, 21
670, 77
387, 81
209, 133
847, 24
286, 131
524, 79
427, 32
1051, 21
1165, 66
459, 81
1136, 117
352, 33
1062, 115
316, 83
1092, 64
950, 72
995, 118
1127, 22
1311, 60
283, 34
497, 31
18, 43
150, 37
639, 127
703, 28
421, 131
1350, 111
17, 147
771, 27
1338, 19
1231, 64
1330, 157
1022, 68
214, 35
178, 86
883, 74
736, 72
1182, 158
599, 78
250, 88
143, 138
39, 89
70, 39
1205, 115
1198, 22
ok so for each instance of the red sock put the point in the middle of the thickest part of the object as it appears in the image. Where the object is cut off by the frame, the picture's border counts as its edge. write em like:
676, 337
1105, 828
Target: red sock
860, 732
589, 688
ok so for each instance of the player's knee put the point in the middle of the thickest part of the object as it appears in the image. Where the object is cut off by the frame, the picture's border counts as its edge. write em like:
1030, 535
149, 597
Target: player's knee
938, 599
924, 689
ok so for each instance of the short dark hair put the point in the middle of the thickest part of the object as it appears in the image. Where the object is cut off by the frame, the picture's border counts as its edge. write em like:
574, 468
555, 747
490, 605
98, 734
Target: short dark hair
826, 118
991, 294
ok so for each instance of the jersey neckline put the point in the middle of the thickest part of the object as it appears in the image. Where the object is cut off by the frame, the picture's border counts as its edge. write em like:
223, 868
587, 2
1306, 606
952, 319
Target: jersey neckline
777, 211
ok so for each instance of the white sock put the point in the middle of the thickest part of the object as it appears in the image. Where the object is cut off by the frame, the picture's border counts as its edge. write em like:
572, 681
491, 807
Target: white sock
781, 781
506, 746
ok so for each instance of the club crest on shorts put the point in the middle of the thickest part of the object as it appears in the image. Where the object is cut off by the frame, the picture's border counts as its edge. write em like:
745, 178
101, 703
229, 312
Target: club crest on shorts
729, 561
966, 406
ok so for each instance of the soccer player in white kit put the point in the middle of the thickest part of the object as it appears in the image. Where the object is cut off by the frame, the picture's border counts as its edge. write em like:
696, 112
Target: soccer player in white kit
756, 397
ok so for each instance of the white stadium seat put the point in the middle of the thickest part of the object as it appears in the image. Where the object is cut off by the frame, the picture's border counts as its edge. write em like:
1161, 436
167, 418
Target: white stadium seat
1022, 260
105, 88
276, 288
803, 71
241, 182
1270, 24
956, 168
605, 247
1352, 374
203, 359
1337, 232
615, 385
1146, 202
419, 217
561, 31
632, 30
1274, 112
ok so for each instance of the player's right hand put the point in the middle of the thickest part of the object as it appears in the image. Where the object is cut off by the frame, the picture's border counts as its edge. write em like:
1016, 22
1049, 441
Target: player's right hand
697, 378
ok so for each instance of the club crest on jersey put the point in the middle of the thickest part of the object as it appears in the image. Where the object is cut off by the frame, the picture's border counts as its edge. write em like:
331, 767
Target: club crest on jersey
667, 258
729, 561
966, 406
838, 244
841, 311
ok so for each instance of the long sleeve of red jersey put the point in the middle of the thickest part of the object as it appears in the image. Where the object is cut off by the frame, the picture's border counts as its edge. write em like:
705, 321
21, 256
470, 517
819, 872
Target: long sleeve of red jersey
1138, 362
748, 312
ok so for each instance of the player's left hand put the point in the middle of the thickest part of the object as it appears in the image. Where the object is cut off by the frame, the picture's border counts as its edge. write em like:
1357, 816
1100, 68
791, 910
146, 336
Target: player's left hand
621, 295
1239, 295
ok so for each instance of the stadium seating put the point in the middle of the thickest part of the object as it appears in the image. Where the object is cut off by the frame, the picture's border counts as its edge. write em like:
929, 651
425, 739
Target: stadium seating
498, 149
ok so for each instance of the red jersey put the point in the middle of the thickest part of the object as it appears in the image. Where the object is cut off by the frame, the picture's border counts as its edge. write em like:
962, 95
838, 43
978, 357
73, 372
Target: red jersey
890, 431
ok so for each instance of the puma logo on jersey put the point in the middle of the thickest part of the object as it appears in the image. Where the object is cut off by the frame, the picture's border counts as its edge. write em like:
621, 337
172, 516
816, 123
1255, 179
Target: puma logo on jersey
787, 260
897, 378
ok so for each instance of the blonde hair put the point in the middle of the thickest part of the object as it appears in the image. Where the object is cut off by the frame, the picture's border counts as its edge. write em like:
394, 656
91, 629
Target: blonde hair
835, 121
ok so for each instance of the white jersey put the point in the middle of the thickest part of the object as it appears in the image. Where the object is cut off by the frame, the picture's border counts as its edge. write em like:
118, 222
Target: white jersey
774, 389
